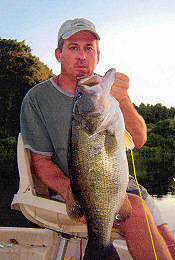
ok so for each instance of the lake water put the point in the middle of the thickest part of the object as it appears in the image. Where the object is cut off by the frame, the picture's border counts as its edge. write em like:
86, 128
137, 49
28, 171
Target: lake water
166, 205
157, 174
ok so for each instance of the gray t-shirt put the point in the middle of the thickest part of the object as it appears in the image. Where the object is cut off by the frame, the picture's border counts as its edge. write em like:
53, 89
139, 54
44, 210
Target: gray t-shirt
45, 124
45, 121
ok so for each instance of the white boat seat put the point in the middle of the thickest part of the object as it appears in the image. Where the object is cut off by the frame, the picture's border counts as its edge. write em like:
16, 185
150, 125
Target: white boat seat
32, 199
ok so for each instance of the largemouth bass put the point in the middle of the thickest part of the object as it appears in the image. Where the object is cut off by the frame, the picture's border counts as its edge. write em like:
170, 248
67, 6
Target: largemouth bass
97, 162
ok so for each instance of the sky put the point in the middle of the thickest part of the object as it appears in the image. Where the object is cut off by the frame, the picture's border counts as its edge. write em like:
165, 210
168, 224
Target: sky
137, 38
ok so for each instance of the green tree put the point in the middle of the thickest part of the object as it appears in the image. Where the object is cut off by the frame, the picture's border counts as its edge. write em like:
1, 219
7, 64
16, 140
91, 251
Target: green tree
7, 158
19, 71
153, 114
172, 125
161, 138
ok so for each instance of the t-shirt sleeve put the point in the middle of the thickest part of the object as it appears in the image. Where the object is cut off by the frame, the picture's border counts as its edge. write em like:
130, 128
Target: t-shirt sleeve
33, 127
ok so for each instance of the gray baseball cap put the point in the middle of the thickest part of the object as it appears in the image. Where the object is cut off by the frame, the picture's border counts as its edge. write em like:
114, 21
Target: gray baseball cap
70, 27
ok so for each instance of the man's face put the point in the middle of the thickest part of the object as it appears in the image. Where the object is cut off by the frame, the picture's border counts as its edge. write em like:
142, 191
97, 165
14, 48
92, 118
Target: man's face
79, 55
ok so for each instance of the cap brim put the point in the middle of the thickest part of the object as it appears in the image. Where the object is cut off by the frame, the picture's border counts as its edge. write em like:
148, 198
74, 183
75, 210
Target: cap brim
75, 30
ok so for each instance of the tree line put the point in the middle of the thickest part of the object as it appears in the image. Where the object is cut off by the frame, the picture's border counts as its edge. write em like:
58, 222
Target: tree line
152, 114
20, 70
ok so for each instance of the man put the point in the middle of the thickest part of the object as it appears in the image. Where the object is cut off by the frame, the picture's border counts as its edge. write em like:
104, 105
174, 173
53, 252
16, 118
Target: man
45, 122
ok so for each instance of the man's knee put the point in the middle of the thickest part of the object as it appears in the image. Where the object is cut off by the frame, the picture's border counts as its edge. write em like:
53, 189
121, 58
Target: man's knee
137, 218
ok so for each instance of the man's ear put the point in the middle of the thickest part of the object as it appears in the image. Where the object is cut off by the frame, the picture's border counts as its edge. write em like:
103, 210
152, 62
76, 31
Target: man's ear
98, 56
58, 54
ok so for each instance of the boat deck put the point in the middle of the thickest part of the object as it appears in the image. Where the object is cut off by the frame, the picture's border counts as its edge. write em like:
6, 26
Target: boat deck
42, 244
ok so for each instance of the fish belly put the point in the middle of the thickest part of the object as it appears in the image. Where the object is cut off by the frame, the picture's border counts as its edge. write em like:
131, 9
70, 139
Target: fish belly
98, 181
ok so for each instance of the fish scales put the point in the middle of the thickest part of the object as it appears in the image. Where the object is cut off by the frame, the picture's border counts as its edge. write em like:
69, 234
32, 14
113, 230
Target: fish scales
97, 159
101, 176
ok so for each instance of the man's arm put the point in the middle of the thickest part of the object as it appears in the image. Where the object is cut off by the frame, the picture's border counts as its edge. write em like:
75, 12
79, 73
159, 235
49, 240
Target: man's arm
134, 123
50, 174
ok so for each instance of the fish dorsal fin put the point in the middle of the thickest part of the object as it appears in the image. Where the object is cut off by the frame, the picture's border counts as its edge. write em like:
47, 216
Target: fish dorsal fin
129, 144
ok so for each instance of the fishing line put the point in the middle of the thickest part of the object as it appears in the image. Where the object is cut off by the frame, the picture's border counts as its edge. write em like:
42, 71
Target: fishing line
143, 205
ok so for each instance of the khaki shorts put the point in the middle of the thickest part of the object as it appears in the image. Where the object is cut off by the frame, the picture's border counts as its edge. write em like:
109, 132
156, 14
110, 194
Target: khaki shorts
132, 188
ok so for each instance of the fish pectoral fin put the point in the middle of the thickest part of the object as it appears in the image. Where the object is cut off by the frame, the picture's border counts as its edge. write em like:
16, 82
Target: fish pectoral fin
110, 143
124, 212
129, 144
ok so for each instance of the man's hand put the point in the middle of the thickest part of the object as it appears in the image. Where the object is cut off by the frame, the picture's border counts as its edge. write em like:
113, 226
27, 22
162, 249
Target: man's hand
120, 87
73, 209
134, 123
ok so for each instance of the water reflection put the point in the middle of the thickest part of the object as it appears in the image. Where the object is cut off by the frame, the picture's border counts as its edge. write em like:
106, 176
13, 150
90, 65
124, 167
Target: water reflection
155, 173
166, 205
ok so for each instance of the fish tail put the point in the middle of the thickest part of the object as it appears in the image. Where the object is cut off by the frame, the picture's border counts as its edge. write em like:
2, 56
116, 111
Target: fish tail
93, 251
